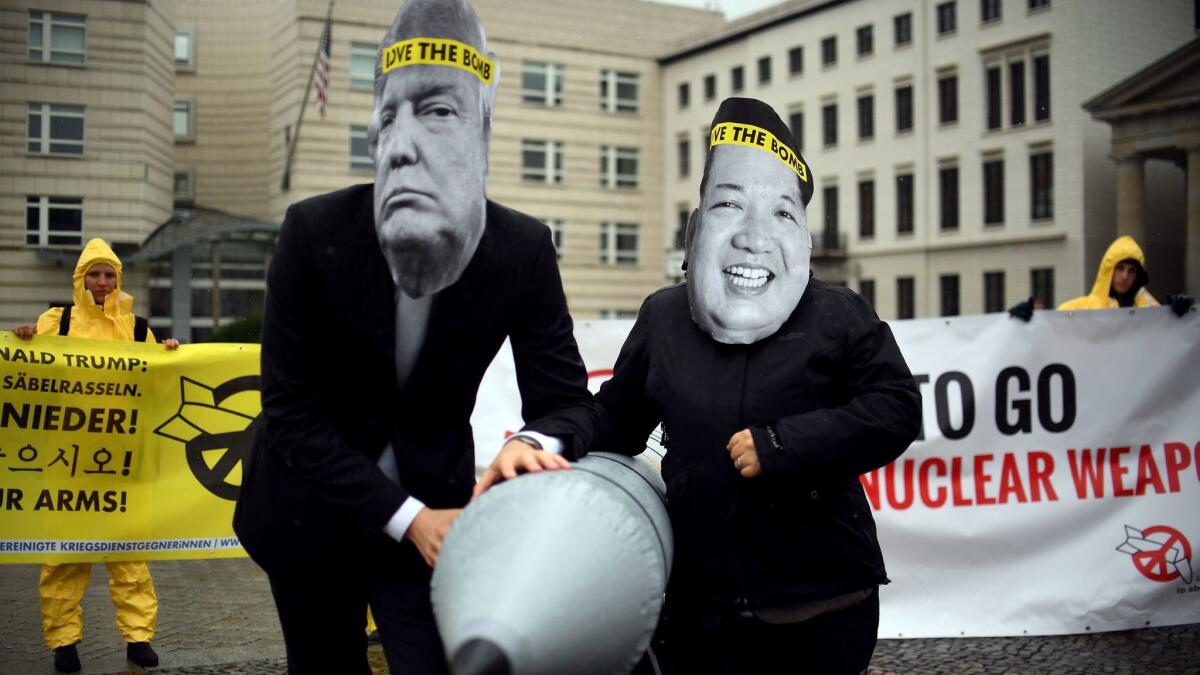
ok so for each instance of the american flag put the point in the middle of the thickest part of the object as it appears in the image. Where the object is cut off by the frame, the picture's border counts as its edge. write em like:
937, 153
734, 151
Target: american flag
322, 67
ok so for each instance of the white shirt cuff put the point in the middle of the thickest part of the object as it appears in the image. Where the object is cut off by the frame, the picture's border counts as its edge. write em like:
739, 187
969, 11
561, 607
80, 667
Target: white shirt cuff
398, 525
550, 444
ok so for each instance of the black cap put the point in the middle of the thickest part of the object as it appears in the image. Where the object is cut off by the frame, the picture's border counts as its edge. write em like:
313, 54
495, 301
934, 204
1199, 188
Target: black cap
752, 123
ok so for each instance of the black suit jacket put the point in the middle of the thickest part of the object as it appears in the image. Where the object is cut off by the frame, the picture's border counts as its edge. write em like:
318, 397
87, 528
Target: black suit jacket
827, 397
331, 402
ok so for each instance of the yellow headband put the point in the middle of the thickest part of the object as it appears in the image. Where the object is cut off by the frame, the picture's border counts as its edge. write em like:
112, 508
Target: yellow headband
437, 52
732, 133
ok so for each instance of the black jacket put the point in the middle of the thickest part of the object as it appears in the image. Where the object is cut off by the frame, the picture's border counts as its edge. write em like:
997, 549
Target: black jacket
832, 388
331, 403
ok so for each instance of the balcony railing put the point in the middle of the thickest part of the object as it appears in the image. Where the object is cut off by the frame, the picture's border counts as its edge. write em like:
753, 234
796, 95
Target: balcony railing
829, 243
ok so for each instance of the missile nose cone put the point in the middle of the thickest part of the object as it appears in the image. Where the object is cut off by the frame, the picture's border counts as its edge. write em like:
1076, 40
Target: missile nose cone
480, 657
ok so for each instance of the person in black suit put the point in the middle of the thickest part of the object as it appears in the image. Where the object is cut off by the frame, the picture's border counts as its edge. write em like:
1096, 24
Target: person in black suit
385, 305
775, 392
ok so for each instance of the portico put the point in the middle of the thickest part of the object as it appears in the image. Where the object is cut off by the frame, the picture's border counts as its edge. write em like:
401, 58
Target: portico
1155, 117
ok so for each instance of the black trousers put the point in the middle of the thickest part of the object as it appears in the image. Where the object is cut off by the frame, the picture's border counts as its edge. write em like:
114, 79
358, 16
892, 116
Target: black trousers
839, 642
323, 612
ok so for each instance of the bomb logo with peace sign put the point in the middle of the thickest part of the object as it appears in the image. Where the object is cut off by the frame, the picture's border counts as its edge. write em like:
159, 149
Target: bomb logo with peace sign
216, 426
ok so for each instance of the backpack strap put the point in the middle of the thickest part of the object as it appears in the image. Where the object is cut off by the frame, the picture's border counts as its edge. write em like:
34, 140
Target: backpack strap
64, 323
140, 326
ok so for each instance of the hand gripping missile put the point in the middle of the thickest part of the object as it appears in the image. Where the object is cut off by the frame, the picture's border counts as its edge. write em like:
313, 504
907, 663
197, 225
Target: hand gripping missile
557, 572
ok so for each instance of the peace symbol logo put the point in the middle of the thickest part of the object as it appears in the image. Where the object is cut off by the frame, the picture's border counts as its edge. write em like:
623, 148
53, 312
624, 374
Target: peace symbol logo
216, 426
1160, 553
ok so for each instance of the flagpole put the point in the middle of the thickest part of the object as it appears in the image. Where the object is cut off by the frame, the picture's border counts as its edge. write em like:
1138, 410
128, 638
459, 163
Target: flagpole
291, 150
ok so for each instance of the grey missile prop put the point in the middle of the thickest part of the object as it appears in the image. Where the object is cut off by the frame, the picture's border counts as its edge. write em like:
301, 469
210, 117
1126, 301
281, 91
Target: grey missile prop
557, 572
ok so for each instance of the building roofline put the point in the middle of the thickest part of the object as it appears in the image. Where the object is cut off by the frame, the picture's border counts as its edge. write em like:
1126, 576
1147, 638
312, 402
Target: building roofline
766, 19
1119, 95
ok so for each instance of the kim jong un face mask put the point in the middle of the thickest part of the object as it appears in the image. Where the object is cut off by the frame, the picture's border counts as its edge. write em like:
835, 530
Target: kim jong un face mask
749, 255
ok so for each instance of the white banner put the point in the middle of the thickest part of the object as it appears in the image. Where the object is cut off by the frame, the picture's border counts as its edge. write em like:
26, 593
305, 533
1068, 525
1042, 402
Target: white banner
1057, 485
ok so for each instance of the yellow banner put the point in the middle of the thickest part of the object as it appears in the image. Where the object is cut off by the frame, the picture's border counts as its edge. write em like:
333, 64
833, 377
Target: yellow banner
120, 450
437, 52
732, 133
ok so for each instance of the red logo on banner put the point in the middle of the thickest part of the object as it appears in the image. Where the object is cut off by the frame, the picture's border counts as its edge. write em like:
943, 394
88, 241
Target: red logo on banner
1159, 552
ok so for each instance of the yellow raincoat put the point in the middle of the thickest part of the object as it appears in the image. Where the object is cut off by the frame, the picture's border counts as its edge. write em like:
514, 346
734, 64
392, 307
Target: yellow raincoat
61, 587
1124, 248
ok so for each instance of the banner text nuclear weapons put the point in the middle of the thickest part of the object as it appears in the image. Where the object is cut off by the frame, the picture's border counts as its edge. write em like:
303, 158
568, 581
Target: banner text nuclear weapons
115, 450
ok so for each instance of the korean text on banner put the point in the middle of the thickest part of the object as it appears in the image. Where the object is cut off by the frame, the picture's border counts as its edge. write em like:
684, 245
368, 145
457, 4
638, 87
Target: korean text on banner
122, 451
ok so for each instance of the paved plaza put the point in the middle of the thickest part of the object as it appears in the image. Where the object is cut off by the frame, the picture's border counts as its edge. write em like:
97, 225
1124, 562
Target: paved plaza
216, 618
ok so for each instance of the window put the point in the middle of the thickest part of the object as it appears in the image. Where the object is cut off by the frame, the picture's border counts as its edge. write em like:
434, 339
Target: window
905, 297
993, 191
829, 51
829, 124
1041, 176
1038, 4
948, 99
904, 203
556, 235
993, 98
618, 91
542, 161
1016, 83
185, 51
830, 235
948, 177
904, 108
866, 40
618, 243
796, 122
684, 95
618, 167
1042, 280
737, 78
764, 70
866, 117
866, 288
362, 66
360, 151
184, 189
710, 87
685, 158
866, 209
57, 38
949, 284
947, 22
53, 129
796, 60
989, 10
1041, 87
902, 25
681, 229
542, 83
182, 122
993, 292
54, 221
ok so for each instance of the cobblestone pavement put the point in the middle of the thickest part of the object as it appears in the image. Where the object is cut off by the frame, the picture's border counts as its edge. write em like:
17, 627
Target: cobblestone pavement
216, 618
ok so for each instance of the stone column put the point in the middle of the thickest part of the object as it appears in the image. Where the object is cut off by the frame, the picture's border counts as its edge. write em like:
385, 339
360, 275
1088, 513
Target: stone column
1191, 262
181, 294
1131, 197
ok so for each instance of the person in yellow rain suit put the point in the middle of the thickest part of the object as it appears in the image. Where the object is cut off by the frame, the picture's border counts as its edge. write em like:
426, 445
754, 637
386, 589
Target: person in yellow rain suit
1120, 282
101, 311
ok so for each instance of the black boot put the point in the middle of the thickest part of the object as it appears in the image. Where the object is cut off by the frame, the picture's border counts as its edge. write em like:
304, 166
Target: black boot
142, 654
66, 659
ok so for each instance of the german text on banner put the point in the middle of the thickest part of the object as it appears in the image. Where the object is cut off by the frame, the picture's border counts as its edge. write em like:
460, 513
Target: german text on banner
1057, 485
122, 451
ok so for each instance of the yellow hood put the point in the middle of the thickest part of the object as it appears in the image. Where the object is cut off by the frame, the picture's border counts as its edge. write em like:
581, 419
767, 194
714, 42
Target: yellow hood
1124, 248
88, 319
